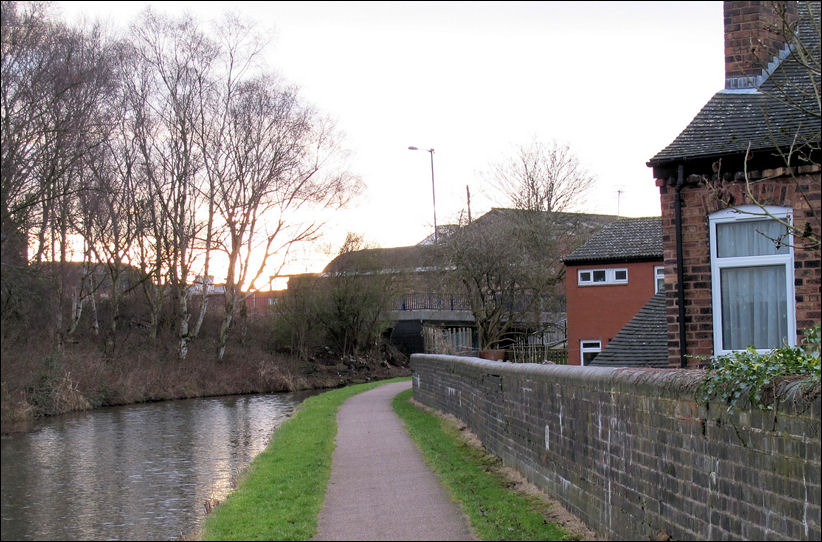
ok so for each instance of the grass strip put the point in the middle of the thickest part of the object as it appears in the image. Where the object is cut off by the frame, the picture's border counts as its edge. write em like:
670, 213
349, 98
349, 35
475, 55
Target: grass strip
282, 492
473, 478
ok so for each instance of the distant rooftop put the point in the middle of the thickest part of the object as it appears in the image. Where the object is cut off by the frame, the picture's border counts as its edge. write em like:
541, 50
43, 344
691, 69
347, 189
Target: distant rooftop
627, 239
425, 255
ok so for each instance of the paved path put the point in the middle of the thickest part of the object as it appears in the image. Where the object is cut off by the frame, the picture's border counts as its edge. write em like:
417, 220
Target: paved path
380, 486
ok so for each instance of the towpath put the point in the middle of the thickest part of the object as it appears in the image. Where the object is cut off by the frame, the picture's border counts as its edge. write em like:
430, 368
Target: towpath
380, 486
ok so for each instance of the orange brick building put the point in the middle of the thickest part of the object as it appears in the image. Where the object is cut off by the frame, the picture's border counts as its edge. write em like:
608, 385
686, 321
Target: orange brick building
608, 280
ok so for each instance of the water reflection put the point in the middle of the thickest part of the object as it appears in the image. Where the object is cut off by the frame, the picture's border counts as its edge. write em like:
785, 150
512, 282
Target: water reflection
140, 472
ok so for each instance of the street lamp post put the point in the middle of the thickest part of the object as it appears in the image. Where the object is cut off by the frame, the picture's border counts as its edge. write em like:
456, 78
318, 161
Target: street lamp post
433, 192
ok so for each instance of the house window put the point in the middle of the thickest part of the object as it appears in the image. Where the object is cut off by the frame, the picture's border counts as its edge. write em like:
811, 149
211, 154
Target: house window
588, 350
602, 276
752, 279
659, 278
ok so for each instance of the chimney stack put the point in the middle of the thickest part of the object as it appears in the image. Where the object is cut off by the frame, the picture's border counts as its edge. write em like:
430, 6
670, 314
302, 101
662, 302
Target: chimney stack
753, 39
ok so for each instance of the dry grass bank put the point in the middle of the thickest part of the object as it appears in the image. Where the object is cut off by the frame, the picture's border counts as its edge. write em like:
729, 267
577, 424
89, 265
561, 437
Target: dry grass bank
38, 380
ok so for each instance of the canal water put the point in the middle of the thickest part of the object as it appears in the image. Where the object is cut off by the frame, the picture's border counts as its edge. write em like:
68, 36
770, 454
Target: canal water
137, 472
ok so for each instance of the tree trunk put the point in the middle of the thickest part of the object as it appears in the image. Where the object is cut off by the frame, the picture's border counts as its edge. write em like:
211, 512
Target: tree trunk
182, 320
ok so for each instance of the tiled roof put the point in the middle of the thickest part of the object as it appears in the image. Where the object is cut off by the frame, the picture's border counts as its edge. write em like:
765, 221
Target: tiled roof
643, 342
733, 119
623, 240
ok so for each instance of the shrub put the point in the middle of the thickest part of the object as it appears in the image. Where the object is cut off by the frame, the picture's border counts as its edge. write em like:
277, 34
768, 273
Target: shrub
750, 375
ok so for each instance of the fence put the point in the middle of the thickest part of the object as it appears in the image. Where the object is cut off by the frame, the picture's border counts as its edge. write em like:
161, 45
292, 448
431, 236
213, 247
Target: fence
432, 301
459, 340
536, 354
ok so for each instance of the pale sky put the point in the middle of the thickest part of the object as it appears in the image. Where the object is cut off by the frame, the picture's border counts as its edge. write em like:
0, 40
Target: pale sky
617, 81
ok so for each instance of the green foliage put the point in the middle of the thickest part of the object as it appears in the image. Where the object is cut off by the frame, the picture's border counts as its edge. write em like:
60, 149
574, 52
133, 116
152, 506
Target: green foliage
345, 313
344, 309
354, 315
296, 317
750, 375
472, 476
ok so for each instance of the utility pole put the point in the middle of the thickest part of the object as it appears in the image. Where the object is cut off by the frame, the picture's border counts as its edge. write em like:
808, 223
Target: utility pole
468, 194
433, 192
619, 199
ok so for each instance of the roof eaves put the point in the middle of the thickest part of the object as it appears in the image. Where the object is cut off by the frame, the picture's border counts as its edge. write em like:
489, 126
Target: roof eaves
656, 162
588, 260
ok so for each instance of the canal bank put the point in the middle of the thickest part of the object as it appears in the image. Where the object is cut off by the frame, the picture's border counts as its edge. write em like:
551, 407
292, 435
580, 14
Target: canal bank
38, 382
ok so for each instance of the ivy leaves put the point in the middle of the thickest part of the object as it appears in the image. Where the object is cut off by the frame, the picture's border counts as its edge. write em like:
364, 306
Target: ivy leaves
749, 375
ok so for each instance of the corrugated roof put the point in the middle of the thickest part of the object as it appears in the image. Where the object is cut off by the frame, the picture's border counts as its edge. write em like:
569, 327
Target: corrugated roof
643, 342
625, 239
764, 118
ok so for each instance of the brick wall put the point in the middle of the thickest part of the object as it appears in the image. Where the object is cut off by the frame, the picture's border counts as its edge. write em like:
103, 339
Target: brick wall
750, 39
632, 454
769, 187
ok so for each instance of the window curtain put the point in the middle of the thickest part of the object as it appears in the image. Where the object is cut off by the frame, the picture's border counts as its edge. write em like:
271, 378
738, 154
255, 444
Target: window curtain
750, 238
754, 307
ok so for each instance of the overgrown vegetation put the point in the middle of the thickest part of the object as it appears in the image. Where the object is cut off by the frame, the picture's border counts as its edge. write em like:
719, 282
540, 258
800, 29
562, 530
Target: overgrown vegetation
282, 492
751, 376
473, 477
39, 380
343, 311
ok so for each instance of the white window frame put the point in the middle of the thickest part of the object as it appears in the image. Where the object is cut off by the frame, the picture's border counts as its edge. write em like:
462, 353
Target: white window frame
750, 213
588, 349
610, 276
659, 273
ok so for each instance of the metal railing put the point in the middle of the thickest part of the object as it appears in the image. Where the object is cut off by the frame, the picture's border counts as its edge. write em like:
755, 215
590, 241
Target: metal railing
536, 354
432, 302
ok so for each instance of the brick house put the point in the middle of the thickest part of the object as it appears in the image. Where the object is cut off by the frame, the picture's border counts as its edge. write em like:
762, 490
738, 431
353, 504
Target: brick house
735, 276
608, 280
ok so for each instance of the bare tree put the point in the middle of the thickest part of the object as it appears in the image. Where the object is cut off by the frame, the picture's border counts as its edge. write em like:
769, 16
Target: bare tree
158, 150
54, 84
508, 262
177, 58
153, 250
354, 301
278, 153
541, 177
109, 218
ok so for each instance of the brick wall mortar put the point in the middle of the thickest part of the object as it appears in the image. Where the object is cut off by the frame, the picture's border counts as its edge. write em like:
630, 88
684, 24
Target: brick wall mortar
632, 454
